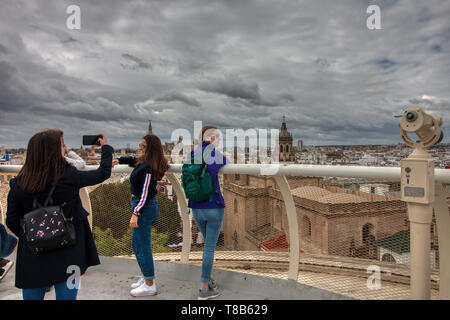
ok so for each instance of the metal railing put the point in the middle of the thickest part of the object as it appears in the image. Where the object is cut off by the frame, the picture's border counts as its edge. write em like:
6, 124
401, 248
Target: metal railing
279, 173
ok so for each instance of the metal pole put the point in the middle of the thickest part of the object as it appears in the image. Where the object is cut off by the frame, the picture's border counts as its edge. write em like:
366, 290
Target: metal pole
420, 217
294, 243
187, 232
443, 230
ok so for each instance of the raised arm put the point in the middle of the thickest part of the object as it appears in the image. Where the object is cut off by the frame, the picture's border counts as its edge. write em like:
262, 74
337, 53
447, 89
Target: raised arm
93, 177
130, 161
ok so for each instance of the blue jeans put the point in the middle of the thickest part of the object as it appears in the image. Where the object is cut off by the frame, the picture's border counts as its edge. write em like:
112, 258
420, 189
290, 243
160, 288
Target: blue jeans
209, 221
61, 289
141, 241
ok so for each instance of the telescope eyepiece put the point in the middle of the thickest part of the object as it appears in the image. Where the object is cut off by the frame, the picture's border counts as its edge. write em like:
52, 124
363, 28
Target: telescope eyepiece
411, 116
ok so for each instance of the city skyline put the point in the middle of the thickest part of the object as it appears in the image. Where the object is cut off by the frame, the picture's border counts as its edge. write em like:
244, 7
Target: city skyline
227, 63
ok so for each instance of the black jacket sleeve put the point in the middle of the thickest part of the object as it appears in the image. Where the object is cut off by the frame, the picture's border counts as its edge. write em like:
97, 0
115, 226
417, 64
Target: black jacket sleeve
93, 177
13, 212
130, 161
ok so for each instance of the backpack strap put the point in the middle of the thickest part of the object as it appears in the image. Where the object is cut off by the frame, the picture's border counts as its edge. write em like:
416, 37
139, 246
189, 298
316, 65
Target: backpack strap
36, 204
48, 200
215, 181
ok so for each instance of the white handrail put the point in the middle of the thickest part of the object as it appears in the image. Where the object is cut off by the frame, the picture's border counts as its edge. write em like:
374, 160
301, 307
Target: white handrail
362, 172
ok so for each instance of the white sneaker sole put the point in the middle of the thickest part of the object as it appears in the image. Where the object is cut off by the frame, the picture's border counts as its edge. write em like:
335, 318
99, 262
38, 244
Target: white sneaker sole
144, 294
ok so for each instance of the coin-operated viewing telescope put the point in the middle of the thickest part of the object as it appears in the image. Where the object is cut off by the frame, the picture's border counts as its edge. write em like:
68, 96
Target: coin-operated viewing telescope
418, 168
418, 191
425, 126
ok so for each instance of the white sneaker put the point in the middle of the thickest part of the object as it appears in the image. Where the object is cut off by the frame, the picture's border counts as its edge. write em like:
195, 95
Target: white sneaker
144, 290
138, 284
4, 269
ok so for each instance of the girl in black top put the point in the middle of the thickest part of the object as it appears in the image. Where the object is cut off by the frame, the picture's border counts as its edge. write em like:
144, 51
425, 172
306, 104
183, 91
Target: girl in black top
149, 167
44, 166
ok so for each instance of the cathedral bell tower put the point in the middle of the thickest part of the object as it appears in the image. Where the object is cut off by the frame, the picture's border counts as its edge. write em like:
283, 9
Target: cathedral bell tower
150, 130
285, 144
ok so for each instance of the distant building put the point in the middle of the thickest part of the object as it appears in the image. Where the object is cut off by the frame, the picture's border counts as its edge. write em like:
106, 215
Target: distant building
368, 160
168, 147
165, 187
150, 129
285, 144
300, 145
377, 188
396, 248
331, 220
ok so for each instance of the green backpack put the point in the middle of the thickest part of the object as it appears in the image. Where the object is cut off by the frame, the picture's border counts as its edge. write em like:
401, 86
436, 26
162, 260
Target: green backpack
196, 182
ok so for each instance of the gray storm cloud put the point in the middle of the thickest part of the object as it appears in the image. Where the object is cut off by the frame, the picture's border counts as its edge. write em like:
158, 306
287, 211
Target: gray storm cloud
133, 63
234, 64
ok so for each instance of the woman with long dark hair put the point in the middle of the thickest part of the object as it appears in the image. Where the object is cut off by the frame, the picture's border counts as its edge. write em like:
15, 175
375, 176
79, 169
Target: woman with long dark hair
45, 168
149, 167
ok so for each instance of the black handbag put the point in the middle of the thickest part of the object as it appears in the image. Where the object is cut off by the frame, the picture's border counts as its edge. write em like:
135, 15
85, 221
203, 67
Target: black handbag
46, 228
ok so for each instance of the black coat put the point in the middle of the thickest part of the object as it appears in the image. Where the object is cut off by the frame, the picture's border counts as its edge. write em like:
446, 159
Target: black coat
36, 271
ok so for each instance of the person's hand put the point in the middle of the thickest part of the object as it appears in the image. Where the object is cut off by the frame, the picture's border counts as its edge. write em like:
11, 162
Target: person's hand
114, 162
102, 139
134, 221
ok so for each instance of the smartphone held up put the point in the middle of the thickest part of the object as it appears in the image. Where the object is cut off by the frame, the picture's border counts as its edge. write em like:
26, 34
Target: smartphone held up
92, 140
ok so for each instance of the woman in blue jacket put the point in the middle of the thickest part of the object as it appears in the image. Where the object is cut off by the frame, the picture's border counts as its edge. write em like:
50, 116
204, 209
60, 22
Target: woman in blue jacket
149, 167
208, 215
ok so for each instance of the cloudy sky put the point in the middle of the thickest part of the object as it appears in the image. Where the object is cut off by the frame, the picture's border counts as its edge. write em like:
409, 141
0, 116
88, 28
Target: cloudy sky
230, 63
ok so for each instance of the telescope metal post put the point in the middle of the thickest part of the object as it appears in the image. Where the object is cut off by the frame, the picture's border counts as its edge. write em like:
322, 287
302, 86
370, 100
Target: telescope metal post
418, 191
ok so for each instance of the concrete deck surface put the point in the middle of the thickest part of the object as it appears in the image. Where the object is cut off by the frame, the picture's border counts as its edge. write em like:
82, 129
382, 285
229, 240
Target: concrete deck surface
175, 281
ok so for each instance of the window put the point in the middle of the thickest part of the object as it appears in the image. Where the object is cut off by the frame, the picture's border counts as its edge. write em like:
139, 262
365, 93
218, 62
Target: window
306, 230
367, 237
277, 219
352, 250
281, 148
235, 206
237, 177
